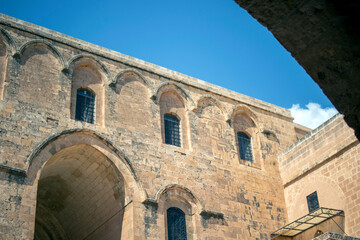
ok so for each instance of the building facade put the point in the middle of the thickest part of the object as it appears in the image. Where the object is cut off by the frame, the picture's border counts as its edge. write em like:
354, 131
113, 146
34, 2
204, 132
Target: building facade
95, 144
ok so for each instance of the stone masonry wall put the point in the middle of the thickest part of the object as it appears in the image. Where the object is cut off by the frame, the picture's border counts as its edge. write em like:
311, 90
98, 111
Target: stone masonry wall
223, 197
327, 161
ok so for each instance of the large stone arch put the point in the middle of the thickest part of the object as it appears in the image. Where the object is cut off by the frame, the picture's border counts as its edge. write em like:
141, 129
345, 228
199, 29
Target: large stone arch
83, 179
324, 37
73, 137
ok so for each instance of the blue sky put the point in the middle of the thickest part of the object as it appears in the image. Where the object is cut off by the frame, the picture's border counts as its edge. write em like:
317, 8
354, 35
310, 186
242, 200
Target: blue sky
215, 41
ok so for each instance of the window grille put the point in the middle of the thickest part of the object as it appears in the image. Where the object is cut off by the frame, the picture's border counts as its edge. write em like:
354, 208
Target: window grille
312, 201
176, 224
85, 102
245, 148
172, 130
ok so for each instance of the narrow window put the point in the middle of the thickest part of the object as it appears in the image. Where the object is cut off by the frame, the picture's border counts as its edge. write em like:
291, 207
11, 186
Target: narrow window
244, 142
172, 130
85, 102
312, 201
176, 224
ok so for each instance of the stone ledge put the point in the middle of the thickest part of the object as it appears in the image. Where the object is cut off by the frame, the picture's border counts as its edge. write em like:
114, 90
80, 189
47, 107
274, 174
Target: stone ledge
208, 214
334, 236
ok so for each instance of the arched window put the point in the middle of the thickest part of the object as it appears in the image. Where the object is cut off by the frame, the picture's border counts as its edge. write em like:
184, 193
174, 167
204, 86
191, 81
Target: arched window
244, 142
85, 103
172, 130
176, 224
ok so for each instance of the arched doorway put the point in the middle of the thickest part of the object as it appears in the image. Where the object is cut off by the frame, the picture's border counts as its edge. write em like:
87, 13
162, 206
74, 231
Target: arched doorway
80, 196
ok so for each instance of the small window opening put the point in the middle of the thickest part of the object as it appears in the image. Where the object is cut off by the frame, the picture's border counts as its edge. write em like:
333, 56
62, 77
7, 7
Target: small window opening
172, 130
312, 201
85, 103
244, 142
176, 224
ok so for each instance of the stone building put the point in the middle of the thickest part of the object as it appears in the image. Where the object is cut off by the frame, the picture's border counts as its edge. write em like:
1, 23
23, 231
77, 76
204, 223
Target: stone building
95, 144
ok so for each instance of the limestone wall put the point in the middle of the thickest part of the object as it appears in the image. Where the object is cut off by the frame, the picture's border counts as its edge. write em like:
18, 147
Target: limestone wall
326, 160
222, 196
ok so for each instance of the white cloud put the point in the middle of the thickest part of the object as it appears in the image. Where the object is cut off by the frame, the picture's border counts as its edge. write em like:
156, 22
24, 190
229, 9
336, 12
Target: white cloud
312, 116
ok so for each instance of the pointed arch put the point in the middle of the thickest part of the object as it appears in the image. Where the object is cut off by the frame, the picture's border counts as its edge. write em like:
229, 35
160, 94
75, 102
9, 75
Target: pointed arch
166, 86
131, 102
179, 198
243, 110
173, 100
41, 42
8, 40
329, 193
85, 58
216, 102
247, 137
68, 138
131, 71
177, 189
87, 71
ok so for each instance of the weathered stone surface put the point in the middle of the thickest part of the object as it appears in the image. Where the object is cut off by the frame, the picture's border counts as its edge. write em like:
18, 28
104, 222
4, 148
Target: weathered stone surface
116, 178
61, 178
334, 236
326, 161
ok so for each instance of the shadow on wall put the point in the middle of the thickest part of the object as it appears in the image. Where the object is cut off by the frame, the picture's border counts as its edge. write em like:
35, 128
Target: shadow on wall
80, 196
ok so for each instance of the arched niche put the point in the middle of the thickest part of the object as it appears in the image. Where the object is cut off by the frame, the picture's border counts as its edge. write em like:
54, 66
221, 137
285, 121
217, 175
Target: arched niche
132, 72
177, 196
85, 74
85, 188
166, 86
172, 103
39, 74
132, 106
43, 43
245, 123
208, 100
212, 131
329, 194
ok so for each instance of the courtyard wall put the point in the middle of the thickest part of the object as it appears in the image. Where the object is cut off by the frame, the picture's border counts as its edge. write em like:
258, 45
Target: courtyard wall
326, 161
223, 196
